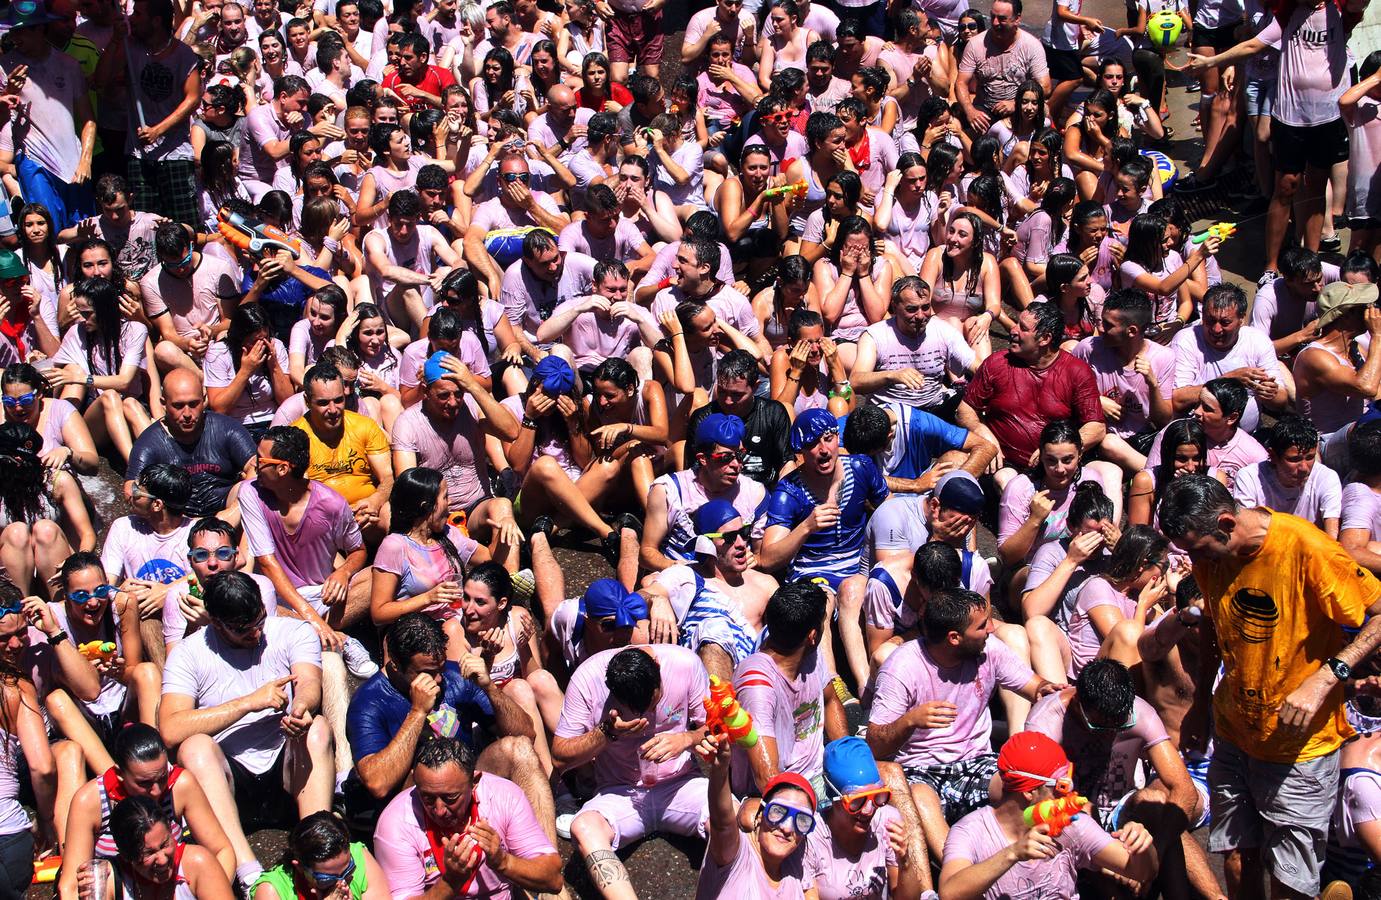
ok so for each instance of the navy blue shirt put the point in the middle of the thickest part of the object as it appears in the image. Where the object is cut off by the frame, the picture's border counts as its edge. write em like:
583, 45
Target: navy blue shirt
377, 711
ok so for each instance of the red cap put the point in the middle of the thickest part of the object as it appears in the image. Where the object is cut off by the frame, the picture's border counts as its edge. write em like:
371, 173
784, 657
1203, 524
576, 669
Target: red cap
1030, 760
789, 779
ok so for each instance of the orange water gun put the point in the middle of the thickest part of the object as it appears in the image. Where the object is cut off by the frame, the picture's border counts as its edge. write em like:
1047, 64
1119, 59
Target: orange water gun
254, 236
796, 187
1056, 813
726, 716
46, 870
94, 650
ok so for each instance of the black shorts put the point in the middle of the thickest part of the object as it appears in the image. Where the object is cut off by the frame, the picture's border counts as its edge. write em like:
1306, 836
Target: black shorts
1064, 65
1221, 38
1297, 147
262, 799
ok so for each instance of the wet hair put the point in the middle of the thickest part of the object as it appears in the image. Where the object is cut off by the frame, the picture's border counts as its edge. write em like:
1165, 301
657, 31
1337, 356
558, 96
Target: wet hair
291, 446
317, 838
1030, 85
27, 375
439, 752
939, 165
704, 224
793, 611
1139, 546
493, 576
1194, 503
1050, 322
1225, 295
233, 598
412, 500
850, 226
1089, 503
1105, 687
706, 252
642, 87
1060, 271
937, 566
171, 239
1058, 194
1179, 433
137, 742
1300, 262
949, 611
1133, 305
1146, 242
130, 823
214, 525
866, 430
618, 372
875, 79
1360, 262
737, 364
819, 126
247, 319
1291, 430
340, 357
1061, 431
1364, 448
168, 482
986, 153
415, 634
80, 561
404, 205
633, 678
850, 185
820, 51
104, 341
1231, 395
802, 317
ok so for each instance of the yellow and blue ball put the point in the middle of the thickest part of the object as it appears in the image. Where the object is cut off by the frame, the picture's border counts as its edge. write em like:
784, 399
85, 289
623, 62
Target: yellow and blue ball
1164, 28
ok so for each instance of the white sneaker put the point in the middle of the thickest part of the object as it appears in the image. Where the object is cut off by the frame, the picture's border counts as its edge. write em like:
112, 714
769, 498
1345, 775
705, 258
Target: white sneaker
567, 808
357, 659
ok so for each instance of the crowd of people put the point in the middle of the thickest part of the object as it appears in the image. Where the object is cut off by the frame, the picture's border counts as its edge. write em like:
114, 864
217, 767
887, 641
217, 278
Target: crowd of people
381, 308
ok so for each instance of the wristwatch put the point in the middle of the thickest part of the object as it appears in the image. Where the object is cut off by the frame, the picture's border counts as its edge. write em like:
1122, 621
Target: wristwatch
606, 728
90, 380
1341, 670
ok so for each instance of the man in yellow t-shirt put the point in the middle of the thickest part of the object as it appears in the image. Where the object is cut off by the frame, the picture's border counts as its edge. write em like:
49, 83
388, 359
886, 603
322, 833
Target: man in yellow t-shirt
349, 452
1278, 593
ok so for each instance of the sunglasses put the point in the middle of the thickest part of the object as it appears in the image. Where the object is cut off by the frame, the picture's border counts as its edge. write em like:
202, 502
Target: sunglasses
23, 401
511, 177
870, 799
746, 532
270, 461
970, 26
201, 554
777, 117
13, 609
241, 630
1129, 724
724, 457
778, 814
325, 880
102, 592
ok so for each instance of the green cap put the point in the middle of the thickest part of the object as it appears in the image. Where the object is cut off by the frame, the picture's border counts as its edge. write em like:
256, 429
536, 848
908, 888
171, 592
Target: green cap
11, 266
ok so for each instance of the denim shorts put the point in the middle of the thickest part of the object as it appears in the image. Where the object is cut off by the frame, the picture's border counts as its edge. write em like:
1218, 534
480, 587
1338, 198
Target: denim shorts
1260, 94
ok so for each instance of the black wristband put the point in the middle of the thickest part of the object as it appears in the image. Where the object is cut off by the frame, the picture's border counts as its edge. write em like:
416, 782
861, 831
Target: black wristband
528, 423
58, 638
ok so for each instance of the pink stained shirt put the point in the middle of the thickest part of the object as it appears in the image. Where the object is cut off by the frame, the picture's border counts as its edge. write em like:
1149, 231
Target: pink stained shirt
721, 101
747, 24
678, 707
191, 302
456, 450
595, 336
405, 854
307, 555
1084, 641
415, 358
1121, 383
728, 304
1197, 363
911, 677
978, 837
838, 876
262, 125
256, 402
1104, 776
936, 353
1319, 498
625, 244
1362, 510
1314, 64
998, 73
745, 878
790, 711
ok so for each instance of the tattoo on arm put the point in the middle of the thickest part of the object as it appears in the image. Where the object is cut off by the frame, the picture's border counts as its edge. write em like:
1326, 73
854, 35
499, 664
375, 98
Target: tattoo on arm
606, 869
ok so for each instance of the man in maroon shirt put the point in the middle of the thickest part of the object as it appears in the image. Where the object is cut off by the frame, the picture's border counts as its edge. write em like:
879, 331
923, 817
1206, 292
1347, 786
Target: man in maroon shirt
415, 82
1017, 392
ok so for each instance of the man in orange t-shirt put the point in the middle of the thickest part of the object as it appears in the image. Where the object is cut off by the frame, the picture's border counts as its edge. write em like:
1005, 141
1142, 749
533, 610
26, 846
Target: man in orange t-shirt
1278, 593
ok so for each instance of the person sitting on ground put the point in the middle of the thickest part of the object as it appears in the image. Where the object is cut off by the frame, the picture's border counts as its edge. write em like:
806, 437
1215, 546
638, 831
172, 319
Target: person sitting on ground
1293, 480
213, 546
321, 858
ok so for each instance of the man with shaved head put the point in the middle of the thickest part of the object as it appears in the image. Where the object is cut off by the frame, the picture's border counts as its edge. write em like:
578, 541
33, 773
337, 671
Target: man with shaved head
213, 448
561, 129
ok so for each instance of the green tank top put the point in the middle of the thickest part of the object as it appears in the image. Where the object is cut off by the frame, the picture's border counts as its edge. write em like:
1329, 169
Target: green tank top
280, 878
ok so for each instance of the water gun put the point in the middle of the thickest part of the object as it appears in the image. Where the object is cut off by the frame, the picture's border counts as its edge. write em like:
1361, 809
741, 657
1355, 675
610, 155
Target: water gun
1221, 230
725, 715
94, 650
46, 870
254, 236
1056, 813
796, 187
